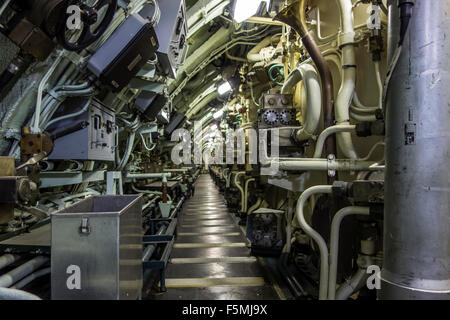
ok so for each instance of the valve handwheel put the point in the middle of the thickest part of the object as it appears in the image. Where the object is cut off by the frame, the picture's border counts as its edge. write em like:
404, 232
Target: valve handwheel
89, 15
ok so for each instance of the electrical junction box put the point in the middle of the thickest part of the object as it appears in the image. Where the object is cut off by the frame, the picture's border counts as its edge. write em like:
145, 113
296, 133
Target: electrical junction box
123, 55
172, 32
264, 231
97, 141
175, 122
150, 104
96, 249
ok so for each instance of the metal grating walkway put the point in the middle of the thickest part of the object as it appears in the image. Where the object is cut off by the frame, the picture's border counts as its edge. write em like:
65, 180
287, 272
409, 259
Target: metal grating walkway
210, 259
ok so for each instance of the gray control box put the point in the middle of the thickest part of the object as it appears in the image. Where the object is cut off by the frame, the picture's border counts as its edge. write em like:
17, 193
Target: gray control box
97, 141
96, 251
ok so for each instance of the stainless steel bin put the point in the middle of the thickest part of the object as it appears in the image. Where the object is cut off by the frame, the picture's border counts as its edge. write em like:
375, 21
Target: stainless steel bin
97, 249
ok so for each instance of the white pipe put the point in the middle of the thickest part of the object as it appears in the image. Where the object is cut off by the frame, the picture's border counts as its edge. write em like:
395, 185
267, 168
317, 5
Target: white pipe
326, 133
14, 294
41, 87
246, 193
22, 283
323, 282
326, 165
379, 83
7, 259
254, 55
162, 176
236, 183
308, 74
22, 271
334, 243
346, 92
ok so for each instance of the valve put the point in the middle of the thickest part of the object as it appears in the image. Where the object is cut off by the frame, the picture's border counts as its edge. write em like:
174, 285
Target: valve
91, 28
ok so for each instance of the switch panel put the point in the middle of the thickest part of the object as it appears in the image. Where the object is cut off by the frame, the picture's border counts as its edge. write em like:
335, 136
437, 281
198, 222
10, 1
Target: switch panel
96, 141
172, 32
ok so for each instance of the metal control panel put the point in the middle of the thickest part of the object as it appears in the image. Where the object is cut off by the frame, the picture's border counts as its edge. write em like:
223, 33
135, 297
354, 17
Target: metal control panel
97, 141
172, 32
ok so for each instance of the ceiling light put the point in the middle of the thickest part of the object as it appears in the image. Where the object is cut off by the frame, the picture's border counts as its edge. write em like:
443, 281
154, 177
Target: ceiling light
244, 9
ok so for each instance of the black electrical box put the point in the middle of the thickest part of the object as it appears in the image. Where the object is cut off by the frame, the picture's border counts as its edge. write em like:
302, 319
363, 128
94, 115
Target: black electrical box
149, 104
122, 56
177, 120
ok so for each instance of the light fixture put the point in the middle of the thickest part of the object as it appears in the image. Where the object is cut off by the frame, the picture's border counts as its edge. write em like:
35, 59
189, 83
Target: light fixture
224, 88
244, 9
218, 114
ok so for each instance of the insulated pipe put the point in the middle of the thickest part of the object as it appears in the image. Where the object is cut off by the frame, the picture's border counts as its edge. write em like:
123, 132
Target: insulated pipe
323, 282
162, 176
307, 73
416, 262
247, 182
41, 87
236, 183
22, 283
326, 133
326, 165
14, 294
22, 271
348, 84
7, 259
289, 15
254, 55
334, 243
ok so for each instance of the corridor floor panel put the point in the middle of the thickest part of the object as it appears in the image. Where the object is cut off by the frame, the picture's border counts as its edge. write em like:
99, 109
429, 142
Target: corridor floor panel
211, 257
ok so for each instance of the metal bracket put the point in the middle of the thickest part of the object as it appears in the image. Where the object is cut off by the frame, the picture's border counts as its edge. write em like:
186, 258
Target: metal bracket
331, 164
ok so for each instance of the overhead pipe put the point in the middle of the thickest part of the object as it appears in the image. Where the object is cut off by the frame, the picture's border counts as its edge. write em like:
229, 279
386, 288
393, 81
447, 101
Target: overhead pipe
348, 84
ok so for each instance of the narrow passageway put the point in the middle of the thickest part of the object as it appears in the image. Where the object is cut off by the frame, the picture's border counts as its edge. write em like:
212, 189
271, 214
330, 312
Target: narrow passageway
210, 259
